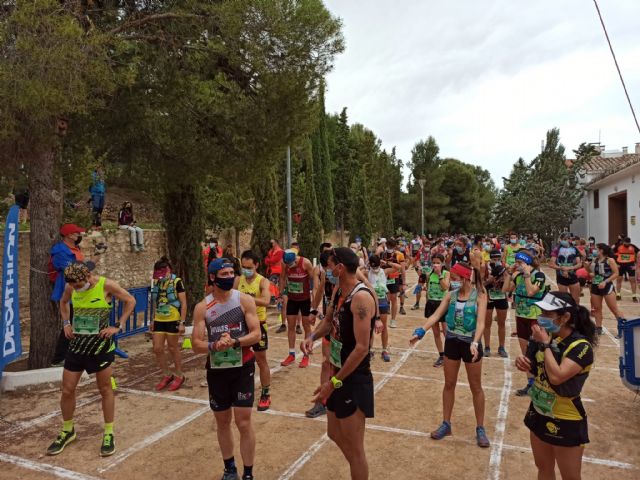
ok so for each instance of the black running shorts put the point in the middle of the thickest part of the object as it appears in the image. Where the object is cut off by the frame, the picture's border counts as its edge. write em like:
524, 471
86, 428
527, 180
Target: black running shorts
562, 433
263, 344
231, 387
75, 362
431, 307
355, 393
299, 306
456, 349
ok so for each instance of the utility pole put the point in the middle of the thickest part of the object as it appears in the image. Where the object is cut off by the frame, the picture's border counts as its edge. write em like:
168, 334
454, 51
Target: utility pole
422, 182
289, 214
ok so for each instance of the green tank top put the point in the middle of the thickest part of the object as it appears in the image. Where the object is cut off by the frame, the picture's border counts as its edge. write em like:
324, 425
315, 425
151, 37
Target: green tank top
91, 313
435, 290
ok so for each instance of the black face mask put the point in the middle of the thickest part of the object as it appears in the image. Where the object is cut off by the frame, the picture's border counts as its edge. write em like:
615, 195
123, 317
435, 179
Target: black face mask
78, 241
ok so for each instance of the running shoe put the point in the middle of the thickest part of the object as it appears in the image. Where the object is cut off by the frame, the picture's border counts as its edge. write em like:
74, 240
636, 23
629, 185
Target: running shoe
298, 330
385, 356
502, 352
304, 363
64, 439
618, 296
402, 311
177, 383
264, 403
415, 307
228, 475
247, 477
288, 361
393, 324
166, 380
108, 447
599, 330
282, 328
481, 437
317, 410
443, 430
523, 392
486, 352
439, 362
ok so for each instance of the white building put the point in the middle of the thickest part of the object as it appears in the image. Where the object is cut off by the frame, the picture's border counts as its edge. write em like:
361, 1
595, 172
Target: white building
611, 204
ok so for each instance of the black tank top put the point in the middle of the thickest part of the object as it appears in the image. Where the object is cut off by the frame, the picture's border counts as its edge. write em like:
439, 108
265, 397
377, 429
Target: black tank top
342, 330
602, 269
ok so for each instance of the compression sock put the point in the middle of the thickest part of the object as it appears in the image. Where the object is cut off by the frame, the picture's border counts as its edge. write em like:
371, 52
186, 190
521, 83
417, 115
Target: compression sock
248, 472
441, 354
67, 425
230, 465
108, 428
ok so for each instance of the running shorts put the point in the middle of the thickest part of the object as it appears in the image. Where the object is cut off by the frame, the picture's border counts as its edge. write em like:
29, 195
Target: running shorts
422, 279
75, 362
170, 328
394, 287
523, 327
627, 269
263, 344
499, 304
567, 281
562, 433
302, 306
383, 306
456, 349
355, 393
231, 387
602, 291
431, 307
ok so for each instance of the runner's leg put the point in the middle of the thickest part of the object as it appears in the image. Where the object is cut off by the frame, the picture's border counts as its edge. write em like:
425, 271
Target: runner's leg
158, 351
103, 380
223, 432
352, 437
474, 375
487, 328
544, 457
501, 317
68, 398
612, 303
451, 369
242, 417
176, 354
569, 461
596, 305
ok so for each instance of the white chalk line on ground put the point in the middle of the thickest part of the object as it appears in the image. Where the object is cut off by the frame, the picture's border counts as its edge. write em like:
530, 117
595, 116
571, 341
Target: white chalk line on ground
306, 456
497, 444
44, 468
151, 439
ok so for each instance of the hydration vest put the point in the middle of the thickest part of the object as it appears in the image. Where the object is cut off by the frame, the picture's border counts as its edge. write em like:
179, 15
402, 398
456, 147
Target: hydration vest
167, 295
470, 316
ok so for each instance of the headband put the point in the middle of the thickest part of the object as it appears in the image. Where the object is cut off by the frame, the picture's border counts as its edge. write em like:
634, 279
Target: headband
524, 257
462, 271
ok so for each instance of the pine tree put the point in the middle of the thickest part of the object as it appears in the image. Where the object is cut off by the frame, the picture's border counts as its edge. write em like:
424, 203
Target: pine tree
267, 223
322, 167
309, 236
359, 220
342, 175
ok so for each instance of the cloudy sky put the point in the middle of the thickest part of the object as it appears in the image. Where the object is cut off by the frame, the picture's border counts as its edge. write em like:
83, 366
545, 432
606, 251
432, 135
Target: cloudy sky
488, 78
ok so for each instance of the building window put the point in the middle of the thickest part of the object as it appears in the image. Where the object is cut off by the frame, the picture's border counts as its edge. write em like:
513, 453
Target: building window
596, 199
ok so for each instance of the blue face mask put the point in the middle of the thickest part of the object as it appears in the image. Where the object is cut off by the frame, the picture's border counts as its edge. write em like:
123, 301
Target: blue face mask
455, 285
331, 278
548, 324
247, 272
460, 250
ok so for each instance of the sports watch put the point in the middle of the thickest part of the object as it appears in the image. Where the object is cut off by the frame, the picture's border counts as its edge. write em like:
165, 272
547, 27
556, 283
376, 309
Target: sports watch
336, 382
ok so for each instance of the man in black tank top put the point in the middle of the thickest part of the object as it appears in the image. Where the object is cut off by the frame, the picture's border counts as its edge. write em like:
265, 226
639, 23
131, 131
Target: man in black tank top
350, 322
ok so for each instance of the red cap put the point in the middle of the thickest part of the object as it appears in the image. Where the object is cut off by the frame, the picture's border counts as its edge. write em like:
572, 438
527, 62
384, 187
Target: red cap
70, 228
462, 271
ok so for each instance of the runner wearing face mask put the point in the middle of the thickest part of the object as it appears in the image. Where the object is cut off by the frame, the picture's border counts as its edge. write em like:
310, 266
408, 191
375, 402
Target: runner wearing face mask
257, 287
529, 286
495, 274
510, 250
296, 279
392, 265
402, 259
422, 263
459, 252
603, 271
566, 260
378, 280
626, 255
438, 282
464, 310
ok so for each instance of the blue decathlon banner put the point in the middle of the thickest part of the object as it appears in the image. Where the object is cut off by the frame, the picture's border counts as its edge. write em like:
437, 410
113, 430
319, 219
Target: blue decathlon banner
10, 332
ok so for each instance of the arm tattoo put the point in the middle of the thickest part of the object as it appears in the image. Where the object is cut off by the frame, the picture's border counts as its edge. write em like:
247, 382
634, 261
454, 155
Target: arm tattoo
362, 312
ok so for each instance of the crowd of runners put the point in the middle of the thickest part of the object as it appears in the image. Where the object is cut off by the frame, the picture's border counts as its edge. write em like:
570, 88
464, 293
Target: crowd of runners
340, 304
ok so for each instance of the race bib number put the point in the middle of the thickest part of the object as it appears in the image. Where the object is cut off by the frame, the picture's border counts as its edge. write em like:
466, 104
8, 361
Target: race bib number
231, 358
542, 401
625, 257
334, 354
86, 325
163, 309
497, 295
381, 291
522, 309
295, 287
391, 281
598, 279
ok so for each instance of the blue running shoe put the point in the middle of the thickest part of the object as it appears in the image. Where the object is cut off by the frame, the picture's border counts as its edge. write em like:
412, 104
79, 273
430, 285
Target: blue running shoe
443, 430
502, 352
481, 437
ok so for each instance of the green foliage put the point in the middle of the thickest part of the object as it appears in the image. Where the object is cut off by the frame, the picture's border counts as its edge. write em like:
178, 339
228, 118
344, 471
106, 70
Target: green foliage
359, 219
322, 168
310, 231
267, 224
343, 158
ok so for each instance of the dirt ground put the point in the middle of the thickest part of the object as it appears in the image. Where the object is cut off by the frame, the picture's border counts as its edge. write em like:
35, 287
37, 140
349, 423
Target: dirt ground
162, 435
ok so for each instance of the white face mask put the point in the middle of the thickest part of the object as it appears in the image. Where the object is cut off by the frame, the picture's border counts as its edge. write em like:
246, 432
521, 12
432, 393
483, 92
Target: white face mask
212, 245
86, 287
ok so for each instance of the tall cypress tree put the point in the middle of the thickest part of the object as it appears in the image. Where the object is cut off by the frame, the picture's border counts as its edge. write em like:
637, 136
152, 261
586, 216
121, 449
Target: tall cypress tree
266, 224
359, 219
309, 236
343, 173
322, 167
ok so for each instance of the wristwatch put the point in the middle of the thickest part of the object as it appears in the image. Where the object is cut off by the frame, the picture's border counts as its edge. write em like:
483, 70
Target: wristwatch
336, 382
117, 325
65, 323
313, 312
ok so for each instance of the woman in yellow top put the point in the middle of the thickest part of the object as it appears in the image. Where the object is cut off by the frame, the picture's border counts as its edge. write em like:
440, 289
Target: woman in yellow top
560, 356
169, 301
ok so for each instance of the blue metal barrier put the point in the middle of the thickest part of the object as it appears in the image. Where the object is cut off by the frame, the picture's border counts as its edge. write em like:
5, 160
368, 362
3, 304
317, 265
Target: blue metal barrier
629, 355
134, 324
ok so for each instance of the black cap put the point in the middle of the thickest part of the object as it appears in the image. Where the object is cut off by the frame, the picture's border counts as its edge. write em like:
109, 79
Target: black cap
346, 256
495, 254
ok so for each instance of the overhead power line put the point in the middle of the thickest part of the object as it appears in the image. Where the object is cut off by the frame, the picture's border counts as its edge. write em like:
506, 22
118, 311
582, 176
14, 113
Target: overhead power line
624, 86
